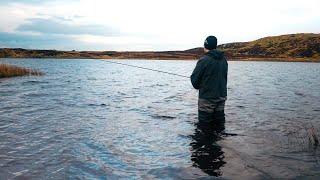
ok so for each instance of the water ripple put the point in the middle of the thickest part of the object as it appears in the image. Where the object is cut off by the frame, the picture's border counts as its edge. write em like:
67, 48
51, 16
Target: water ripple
86, 119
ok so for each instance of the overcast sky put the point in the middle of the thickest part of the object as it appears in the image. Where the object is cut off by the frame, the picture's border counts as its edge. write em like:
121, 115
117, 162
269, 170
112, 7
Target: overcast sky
149, 24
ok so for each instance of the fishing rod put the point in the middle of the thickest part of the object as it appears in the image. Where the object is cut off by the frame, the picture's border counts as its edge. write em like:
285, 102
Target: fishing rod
140, 67
113, 62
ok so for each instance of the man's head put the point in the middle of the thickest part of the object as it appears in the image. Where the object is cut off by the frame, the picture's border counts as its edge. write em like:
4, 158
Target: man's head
210, 43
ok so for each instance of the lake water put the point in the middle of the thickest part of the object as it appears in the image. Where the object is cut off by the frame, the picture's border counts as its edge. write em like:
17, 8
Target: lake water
89, 119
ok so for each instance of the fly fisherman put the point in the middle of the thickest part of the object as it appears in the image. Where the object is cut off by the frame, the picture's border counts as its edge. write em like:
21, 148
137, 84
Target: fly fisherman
210, 78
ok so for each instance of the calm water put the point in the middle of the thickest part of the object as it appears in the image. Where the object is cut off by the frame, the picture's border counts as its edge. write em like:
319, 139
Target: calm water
89, 119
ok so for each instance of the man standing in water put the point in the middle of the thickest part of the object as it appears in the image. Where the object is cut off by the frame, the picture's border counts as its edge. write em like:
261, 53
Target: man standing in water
210, 78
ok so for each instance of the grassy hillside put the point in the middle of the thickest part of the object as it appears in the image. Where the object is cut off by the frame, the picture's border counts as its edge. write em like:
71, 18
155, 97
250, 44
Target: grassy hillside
24, 53
291, 47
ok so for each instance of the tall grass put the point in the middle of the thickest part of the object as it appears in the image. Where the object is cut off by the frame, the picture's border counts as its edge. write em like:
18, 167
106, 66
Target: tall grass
12, 71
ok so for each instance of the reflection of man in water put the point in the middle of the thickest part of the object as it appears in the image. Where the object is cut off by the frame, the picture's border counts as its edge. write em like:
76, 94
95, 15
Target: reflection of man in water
206, 153
210, 77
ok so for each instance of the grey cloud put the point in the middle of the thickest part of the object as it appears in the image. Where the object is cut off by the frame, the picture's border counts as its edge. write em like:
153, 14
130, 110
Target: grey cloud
21, 1
59, 18
19, 40
53, 26
46, 41
34, 1
65, 42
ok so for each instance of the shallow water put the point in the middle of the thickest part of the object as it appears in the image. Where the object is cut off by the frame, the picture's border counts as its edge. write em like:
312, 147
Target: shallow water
91, 119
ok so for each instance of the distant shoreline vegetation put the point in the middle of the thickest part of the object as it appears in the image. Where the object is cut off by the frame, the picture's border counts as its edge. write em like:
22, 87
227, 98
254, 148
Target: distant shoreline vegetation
303, 47
7, 70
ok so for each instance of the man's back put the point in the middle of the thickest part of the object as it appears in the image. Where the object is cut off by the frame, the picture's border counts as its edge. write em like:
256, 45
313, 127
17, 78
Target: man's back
210, 75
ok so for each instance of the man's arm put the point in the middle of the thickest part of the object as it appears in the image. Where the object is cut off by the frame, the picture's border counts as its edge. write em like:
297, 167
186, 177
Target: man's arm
197, 74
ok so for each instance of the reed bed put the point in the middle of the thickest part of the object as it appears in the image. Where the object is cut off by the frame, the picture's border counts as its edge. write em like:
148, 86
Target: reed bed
7, 70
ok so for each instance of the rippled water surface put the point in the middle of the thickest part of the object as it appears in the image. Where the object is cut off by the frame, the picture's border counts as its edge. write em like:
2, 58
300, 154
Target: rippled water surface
91, 119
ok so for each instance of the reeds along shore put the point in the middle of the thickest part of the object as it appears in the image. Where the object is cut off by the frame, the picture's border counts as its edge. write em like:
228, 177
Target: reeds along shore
12, 71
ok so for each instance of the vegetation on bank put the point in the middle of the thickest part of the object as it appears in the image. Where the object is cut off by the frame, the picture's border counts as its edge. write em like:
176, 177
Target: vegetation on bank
291, 47
12, 71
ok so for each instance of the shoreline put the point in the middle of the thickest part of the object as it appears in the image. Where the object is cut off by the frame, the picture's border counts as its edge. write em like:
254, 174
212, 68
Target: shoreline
300, 47
179, 59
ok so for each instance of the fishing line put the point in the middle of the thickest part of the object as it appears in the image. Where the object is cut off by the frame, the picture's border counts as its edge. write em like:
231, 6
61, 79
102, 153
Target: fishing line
165, 72
140, 67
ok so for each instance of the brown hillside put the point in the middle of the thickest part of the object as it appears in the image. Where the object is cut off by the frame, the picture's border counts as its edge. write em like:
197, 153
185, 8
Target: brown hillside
285, 46
291, 47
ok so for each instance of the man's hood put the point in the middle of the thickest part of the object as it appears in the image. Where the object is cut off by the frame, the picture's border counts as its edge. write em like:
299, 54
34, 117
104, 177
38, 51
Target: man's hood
216, 54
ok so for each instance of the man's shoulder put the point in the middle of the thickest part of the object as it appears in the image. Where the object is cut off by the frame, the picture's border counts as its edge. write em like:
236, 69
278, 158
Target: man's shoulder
215, 55
204, 57
208, 58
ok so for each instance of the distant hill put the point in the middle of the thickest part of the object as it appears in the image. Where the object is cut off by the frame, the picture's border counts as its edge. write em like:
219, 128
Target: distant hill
291, 47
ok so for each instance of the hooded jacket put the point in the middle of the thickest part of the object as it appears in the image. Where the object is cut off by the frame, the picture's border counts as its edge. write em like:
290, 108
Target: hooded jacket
210, 75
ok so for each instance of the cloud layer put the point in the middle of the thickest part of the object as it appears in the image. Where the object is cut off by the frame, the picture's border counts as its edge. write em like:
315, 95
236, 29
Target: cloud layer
148, 25
51, 26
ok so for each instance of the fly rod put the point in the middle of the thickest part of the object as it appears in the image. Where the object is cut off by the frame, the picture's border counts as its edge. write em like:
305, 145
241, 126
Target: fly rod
140, 67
